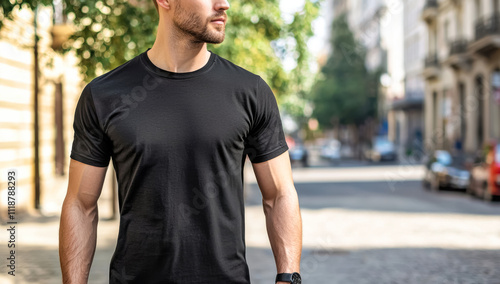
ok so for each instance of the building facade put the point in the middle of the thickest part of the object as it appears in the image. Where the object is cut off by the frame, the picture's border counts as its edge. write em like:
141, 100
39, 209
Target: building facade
408, 109
462, 74
39, 89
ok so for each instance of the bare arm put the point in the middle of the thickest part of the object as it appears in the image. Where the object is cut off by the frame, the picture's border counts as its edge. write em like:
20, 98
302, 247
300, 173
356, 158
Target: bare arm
79, 217
281, 207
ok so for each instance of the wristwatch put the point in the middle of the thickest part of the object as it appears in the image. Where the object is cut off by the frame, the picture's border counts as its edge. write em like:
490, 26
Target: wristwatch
293, 278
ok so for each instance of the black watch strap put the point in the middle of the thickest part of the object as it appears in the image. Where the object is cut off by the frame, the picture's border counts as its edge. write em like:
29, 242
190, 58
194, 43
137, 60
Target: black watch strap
287, 277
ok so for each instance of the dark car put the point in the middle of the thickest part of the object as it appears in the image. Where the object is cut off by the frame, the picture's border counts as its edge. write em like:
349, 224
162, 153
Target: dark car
445, 170
299, 154
297, 151
485, 175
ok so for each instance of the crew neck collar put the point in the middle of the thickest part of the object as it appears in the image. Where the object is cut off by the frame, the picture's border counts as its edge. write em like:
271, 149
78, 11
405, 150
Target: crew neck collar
176, 75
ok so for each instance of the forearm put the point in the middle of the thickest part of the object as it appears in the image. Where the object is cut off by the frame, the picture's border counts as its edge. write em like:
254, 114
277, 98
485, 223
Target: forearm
77, 240
284, 227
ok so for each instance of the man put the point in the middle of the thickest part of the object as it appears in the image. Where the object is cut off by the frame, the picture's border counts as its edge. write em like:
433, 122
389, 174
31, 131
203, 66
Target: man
178, 122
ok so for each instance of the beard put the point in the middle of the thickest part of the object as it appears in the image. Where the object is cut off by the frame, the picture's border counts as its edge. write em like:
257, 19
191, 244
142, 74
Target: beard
192, 24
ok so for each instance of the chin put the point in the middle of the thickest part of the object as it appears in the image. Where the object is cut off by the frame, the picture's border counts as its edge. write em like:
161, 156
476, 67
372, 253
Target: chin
215, 38
215, 42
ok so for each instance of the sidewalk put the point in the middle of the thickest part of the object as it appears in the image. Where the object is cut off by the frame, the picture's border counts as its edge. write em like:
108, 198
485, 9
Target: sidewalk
37, 237
348, 236
37, 257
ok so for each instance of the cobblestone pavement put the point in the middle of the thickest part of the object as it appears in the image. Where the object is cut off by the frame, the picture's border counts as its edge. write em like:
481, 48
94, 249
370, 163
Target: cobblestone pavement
388, 266
382, 247
354, 233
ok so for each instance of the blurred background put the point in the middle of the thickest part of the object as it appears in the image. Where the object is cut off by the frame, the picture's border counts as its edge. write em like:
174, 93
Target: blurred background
391, 110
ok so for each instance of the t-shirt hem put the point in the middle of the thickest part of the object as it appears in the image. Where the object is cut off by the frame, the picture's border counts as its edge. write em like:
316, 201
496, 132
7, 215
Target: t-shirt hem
88, 161
273, 154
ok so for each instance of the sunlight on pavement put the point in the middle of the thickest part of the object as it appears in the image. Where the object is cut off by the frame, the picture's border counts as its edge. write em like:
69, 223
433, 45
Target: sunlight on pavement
358, 174
353, 229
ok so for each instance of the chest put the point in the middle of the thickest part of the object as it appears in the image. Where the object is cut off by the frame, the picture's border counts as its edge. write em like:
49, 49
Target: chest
166, 122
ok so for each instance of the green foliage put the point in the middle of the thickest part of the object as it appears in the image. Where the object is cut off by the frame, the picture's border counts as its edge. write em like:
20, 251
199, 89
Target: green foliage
345, 92
301, 77
301, 30
110, 32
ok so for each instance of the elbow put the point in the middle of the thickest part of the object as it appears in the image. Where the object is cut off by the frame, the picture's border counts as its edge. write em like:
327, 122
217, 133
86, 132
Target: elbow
270, 198
285, 195
268, 204
82, 205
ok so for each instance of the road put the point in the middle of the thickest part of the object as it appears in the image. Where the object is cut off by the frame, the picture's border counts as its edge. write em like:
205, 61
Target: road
374, 223
362, 223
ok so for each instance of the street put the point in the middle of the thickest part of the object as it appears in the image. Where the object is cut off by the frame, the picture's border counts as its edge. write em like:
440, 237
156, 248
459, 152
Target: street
362, 223
384, 230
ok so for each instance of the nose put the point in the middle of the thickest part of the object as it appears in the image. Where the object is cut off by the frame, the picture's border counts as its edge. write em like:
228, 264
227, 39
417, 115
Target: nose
221, 5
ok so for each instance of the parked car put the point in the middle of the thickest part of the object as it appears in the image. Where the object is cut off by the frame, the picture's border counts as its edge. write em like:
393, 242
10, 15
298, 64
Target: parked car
297, 151
485, 175
445, 170
330, 150
382, 150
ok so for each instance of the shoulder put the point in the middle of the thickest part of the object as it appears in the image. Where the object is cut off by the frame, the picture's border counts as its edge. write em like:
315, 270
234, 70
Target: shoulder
237, 72
118, 81
119, 74
243, 81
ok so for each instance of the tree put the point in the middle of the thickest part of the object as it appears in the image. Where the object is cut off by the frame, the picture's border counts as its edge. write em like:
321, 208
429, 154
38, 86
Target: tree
301, 78
345, 92
110, 32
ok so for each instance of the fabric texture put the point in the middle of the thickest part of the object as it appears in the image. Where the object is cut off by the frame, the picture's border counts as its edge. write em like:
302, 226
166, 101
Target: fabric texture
178, 143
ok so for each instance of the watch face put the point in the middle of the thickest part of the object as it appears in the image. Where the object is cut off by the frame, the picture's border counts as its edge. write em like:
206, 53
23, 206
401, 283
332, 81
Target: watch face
296, 278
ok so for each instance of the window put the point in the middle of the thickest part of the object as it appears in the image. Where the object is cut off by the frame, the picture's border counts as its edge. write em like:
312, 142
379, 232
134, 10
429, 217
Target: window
60, 152
479, 93
478, 9
446, 31
458, 21
435, 111
462, 111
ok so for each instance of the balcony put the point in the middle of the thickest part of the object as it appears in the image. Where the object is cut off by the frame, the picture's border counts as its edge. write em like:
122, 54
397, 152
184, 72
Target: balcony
430, 11
458, 46
408, 103
431, 67
487, 37
458, 57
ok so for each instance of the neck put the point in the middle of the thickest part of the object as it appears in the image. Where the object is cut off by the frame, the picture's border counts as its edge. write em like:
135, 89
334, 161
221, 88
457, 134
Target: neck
177, 52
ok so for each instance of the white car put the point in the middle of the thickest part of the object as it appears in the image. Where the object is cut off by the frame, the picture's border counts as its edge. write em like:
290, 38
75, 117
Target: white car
382, 149
331, 150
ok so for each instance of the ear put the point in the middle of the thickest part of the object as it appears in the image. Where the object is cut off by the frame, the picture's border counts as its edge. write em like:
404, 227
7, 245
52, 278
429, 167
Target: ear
166, 4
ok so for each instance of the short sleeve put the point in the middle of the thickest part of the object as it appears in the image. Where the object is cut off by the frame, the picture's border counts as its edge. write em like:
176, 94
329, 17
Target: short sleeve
90, 144
266, 139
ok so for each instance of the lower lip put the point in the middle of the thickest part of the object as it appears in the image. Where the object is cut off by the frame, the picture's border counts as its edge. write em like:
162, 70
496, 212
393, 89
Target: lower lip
218, 22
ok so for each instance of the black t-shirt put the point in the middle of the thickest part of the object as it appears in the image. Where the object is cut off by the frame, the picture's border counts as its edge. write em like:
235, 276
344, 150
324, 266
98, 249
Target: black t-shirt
178, 143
